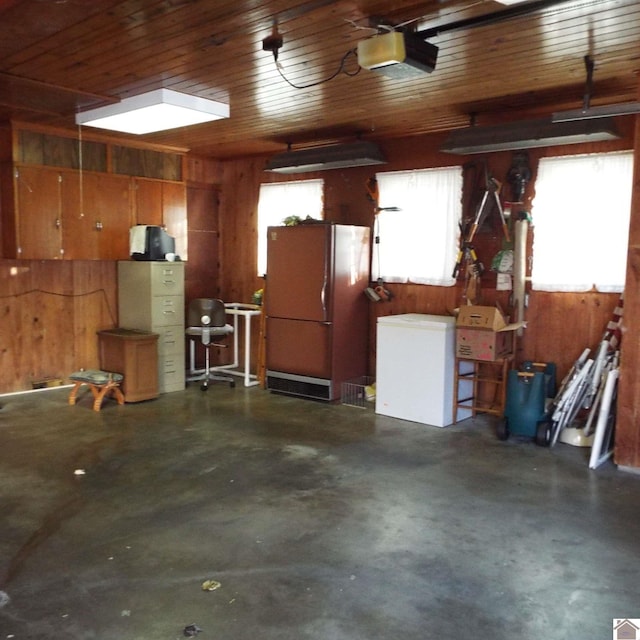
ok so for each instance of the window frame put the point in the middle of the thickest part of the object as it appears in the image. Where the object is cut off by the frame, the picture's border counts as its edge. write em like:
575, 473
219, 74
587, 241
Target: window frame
572, 246
417, 239
286, 208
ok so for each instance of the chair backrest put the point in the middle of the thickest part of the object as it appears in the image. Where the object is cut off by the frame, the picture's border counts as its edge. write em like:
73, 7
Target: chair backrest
212, 307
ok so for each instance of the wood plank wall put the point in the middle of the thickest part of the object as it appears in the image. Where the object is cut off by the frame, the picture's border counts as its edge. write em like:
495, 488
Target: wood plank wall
51, 310
561, 325
627, 436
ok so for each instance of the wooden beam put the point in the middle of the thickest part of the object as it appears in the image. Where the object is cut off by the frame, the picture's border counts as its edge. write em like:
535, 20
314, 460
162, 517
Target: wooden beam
627, 434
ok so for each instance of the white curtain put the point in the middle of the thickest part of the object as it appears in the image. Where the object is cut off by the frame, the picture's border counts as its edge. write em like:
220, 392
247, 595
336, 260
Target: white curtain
581, 216
419, 243
279, 200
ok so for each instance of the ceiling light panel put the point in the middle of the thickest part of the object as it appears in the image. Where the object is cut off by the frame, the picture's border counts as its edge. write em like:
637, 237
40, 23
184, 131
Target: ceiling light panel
157, 110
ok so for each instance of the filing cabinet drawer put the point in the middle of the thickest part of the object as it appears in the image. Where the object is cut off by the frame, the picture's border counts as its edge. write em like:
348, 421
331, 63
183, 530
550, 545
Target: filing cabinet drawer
167, 279
171, 373
170, 340
167, 310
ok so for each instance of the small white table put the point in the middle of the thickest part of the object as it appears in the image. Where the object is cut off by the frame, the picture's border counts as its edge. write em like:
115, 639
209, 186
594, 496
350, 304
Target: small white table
246, 311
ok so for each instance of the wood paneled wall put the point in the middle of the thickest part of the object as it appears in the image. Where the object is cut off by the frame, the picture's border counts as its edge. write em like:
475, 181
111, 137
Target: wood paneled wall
561, 325
627, 437
51, 311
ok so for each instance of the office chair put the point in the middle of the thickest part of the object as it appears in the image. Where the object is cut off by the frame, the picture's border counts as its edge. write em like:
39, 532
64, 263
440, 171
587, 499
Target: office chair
206, 319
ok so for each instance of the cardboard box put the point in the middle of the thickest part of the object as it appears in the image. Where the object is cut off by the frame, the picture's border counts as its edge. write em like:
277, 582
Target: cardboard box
483, 333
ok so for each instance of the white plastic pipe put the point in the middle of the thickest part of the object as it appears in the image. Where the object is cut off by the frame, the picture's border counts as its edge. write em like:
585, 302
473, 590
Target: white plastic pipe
520, 269
597, 455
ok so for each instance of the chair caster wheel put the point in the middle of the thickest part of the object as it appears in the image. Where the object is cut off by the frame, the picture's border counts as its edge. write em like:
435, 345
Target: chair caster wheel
232, 384
204, 386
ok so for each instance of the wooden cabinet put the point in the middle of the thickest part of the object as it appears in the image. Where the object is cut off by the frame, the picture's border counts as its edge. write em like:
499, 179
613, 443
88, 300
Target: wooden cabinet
174, 215
38, 230
147, 201
96, 216
151, 298
162, 203
109, 204
60, 198
78, 234
64, 214
134, 354
35, 212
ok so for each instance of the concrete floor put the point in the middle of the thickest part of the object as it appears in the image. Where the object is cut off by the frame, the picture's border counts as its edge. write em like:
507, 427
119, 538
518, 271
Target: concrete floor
321, 522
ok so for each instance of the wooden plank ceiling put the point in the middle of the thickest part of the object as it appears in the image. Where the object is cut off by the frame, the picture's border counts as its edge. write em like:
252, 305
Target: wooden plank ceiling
57, 56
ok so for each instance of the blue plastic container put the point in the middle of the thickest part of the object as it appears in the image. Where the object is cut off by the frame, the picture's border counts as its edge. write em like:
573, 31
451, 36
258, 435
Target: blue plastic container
525, 408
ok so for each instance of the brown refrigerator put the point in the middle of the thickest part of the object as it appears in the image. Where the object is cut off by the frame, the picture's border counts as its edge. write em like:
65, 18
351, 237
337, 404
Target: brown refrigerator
316, 309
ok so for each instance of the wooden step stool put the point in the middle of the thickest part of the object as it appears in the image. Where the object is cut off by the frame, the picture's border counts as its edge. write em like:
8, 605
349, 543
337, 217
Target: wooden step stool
101, 383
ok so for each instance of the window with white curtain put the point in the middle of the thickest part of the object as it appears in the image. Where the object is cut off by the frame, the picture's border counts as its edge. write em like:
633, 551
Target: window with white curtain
280, 200
581, 216
418, 243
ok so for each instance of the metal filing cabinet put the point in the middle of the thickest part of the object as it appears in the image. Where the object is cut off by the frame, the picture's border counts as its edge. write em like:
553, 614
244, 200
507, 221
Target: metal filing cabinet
151, 298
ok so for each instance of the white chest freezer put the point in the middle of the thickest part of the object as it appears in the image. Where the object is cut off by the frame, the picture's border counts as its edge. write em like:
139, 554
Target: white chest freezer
415, 368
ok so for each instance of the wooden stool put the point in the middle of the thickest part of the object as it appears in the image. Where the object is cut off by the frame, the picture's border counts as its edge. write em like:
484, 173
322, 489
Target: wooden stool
101, 383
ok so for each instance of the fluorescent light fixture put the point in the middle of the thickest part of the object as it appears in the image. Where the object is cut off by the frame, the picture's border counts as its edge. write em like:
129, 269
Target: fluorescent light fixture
528, 134
510, 2
588, 113
339, 156
156, 110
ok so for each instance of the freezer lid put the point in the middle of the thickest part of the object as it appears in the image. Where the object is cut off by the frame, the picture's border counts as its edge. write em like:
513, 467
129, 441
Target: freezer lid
419, 321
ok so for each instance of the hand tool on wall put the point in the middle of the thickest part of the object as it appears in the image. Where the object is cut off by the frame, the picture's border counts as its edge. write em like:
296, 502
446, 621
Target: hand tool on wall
491, 196
467, 254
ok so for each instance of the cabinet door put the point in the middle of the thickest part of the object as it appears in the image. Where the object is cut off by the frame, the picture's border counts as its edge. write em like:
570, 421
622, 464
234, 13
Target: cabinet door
112, 215
96, 216
39, 217
164, 204
204, 242
174, 214
79, 233
147, 198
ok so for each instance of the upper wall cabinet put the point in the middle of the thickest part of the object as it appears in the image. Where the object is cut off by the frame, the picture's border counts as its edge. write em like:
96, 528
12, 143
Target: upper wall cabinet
163, 203
174, 206
60, 198
38, 230
96, 217
147, 201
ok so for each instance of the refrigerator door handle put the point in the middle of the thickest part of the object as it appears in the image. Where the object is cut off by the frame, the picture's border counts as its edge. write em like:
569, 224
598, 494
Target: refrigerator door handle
323, 291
